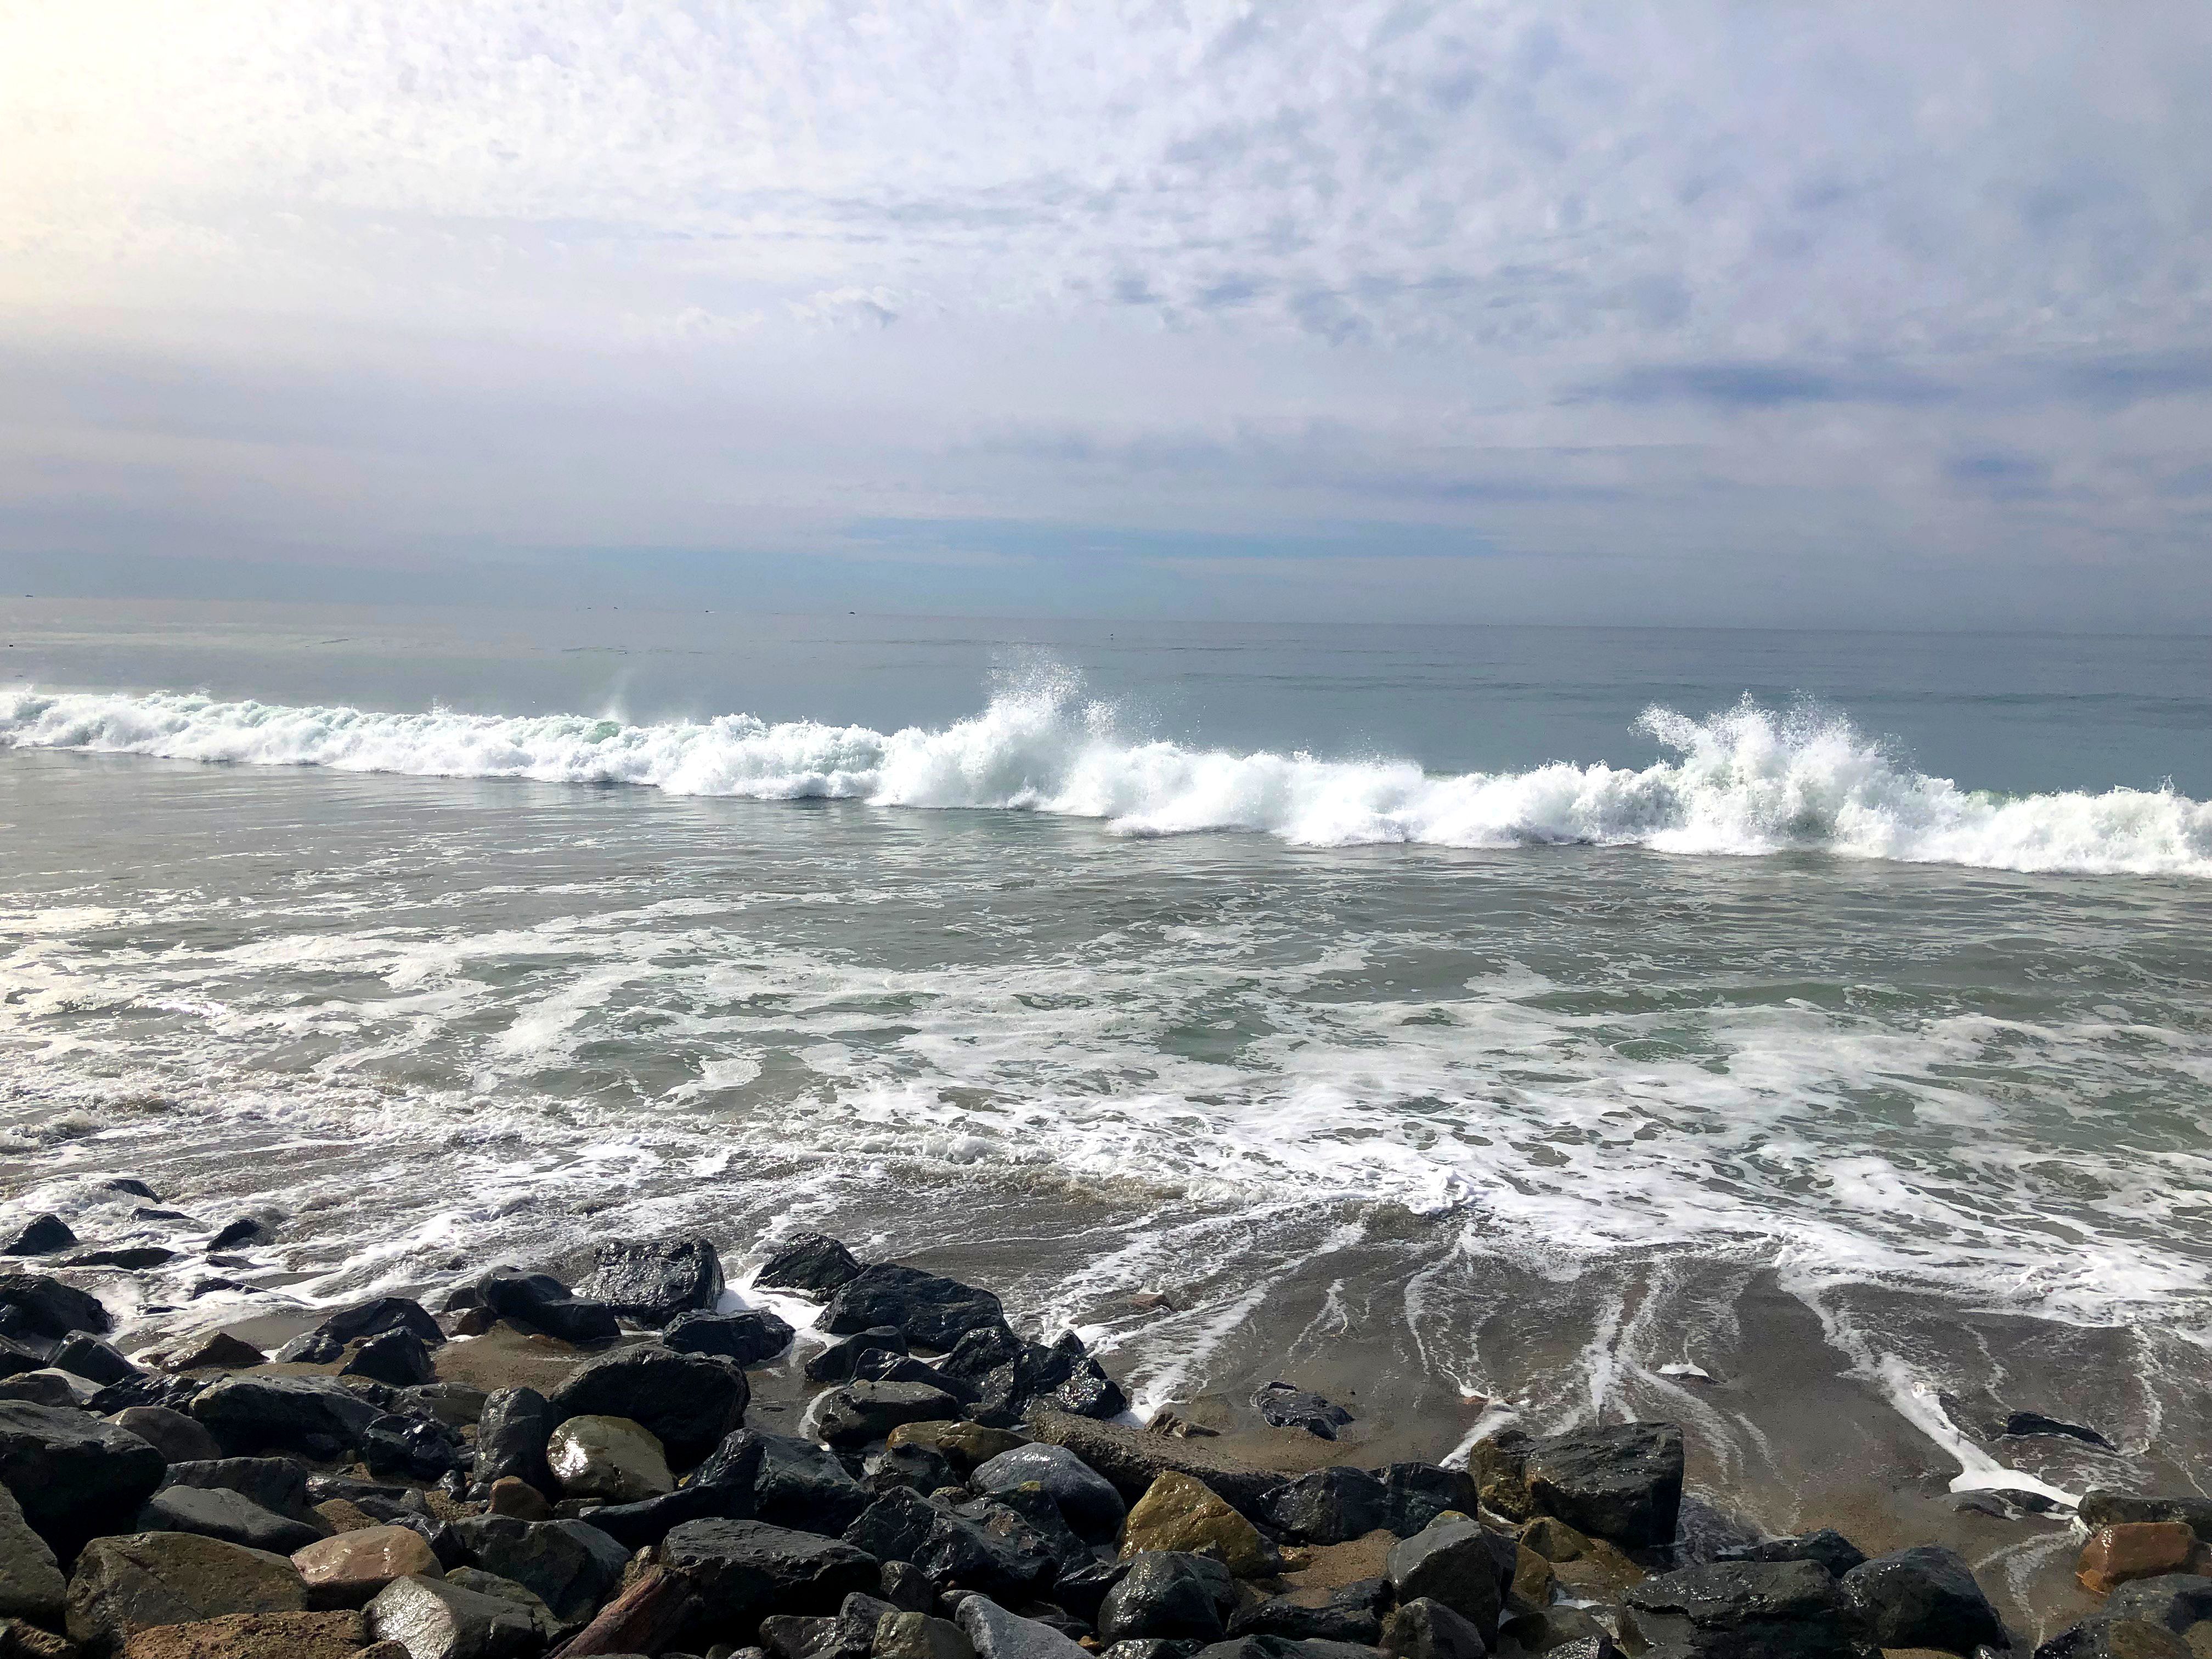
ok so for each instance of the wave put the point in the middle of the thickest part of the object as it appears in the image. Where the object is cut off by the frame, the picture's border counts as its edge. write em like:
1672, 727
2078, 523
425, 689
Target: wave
1749, 781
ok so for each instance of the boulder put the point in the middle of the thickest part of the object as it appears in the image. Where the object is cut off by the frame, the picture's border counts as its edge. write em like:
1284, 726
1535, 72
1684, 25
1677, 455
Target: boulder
1284, 1406
877, 1367
244, 1230
608, 1457
173, 1434
813, 1263
2103, 1637
907, 1587
652, 1280
2176, 1601
995, 1633
511, 1437
420, 1447
748, 1338
966, 1445
569, 1565
133, 1257
519, 1498
57, 1390
505, 1590
16, 1358
399, 1359
918, 1468
1781, 1609
47, 1307
314, 1417
74, 1476
2101, 1506
544, 1302
952, 1549
19, 1640
914, 1635
134, 1582
310, 1348
215, 1512
2134, 1549
1414, 1494
1276, 1647
1622, 1482
1330, 1506
1171, 1596
1178, 1513
254, 1636
802, 1486
1133, 1460
1924, 1597
1424, 1628
687, 1402
40, 1236
1086, 1499
1828, 1547
275, 1484
926, 1307
86, 1356
1350, 1615
739, 1570
377, 1317
31, 1583
1026, 1520
219, 1351
349, 1570
861, 1412
722, 1488
1459, 1563
836, 1363
432, 1619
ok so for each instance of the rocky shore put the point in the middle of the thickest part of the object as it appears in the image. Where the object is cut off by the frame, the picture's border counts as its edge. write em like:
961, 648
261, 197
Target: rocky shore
537, 1469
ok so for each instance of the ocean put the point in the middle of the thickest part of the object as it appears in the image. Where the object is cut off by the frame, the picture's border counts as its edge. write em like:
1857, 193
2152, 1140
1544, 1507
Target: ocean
1804, 1036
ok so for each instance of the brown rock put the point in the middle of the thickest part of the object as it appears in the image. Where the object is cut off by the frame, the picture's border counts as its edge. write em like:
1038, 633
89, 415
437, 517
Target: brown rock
1499, 1466
385, 1650
1180, 1513
1601, 1573
2136, 1549
126, 1584
220, 1353
965, 1444
348, 1570
1133, 1459
344, 1517
1532, 1583
512, 1495
21, 1641
254, 1636
1554, 1540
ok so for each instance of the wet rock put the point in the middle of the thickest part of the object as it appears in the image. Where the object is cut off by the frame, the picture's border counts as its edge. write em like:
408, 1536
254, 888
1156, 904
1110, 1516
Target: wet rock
377, 1317
1086, 1499
129, 1583
420, 1447
1179, 1513
1414, 1494
997, 1634
748, 1338
310, 1348
349, 1570
803, 1486
511, 1438
215, 1512
74, 1477
906, 1634
2102, 1507
569, 1565
740, 1570
1622, 1482
244, 1230
1133, 1460
1497, 1464
720, 1488
1352, 1614
1827, 1546
2116, 1638
1779, 1609
41, 1237
57, 1390
949, 1549
1424, 1628
1923, 1598
1028, 1520
2176, 1601
44, 1306
1276, 1647
1168, 1595
173, 1434
814, 1263
1566, 1632
519, 1498
434, 1619
687, 1402
399, 1359
861, 1412
16, 1358
2019, 1425
652, 1280
967, 1445
312, 1416
907, 1587
546, 1304
454, 1404
275, 1484
609, 1457
1284, 1406
1330, 1506
135, 1258
1457, 1563
2134, 1549
31, 1583
926, 1307
836, 1363
89, 1357
1011, 1378
505, 1590
219, 1351
254, 1636
879, 1367
918, 1468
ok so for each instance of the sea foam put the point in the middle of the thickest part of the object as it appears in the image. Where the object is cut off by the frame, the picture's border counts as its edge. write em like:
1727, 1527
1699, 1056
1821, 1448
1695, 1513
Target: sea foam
1746, 781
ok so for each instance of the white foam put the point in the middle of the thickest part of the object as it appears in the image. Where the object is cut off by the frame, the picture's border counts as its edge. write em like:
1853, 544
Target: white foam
1747, 781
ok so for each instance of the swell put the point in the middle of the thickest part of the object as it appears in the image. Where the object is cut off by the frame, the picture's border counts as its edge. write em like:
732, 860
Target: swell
1747, 781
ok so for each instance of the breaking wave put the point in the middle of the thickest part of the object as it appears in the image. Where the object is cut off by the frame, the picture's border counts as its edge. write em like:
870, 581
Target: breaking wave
1746, 781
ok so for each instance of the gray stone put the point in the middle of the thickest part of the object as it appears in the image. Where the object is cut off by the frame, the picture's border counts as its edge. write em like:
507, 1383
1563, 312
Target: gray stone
133, 1583
608, 1457
74, 1476
505, 1590
276, 1484
1424, 1628
570, 1566
740, 1570
214, 1512
173, 1434
1777, 1609
1168, 1595
56, 1389
689, 1402
1087, 1498
313, 1416
1455, 1562
434, 1619
997, 1634
861, 1412
511, 1437
31, 1583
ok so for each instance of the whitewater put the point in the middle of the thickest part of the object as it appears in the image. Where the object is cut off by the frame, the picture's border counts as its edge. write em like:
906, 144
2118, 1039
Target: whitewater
1747, 781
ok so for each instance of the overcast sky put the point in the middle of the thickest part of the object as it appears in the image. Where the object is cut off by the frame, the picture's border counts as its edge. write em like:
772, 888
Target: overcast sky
1893, 314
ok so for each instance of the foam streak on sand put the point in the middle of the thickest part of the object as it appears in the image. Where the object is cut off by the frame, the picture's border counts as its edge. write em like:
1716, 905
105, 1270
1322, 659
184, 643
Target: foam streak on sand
1747, 781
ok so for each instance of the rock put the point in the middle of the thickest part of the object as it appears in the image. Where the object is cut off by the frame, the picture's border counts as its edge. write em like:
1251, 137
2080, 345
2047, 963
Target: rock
310, 1348
2175, 1599
1497, 1464
569, 1565
244, 1230
19, 1640
918, 1468
454, 1404
861, 1412
134, 1257
1923, 1598
2018, 1425
41, 1237
1350, 1615
1424, 1628
1288, 1407
418, 1446
544, 1302
950, 1549
722, 1488
519, 1498
803, 1486
490, 1584
740, 1570
16, 1358
913, 1635
313, 1416
398, 1358
652, 1280
1086, 1499
1622, 1482
47, 1307
57, 1390
1828, 1547
86, 1356
836, 1363
349, 1570
1779, 1609
1555, 1540
31, 1583
1011, 1378
907, 1587
687, 1402
173, 1434
1179, 1513
1133, 1460
1330, 1506
1414, 1494
814, 1263
1168, 1595
74, 1476
2134, 1549
877, 1367
1531, 1585
967, 1445
129, 1583
215, 1512
748, 1338
995, 1633
2115, 1638
653, 1609
511, 1438
1025, 1519
219, 1351
434, 1619
1456, 1562
275, 1484
609, 1457
926, 1307
377, 1317
1561, 1632
254, 1636
2100, 1506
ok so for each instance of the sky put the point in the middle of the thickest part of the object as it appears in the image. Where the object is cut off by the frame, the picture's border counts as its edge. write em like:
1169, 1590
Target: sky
1862, 314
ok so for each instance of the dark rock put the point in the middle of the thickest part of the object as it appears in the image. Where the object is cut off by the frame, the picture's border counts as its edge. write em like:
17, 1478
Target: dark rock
511, 1438
31, 1583
1735, 1609
689, 1402
399, 1358
42, 1237
214, 1512
997, 1634
134, 1258
1622, 1482
907, 1587
454, 1404
880, 1367
1424, 1628
1133, 1460
420, 1447
310, 1348
75, 1477
86, 1356
146, 1213
951, 1549
1083, 1590
58, 1389
927, 1307
2102, 1507
1331, 1505
802, 1486
173, 1434
918, 1468
1415, 1494
1288, 1407
1279, 1647
982, 1351
543, 1302
1828, 1547
861, 1412
1352, 1614
2115, 1638
220, 1351
2020, 1424
739, 1570
131, 1185
569, 1565
1923, 1598
125, 1585
1457, 1563
1168, 1595
430, 1618
143, 1388
1029, 1522
1145, 1647
275, 1484
313, 1416
720, 1489
47, 1307
834, 1364
16, 1358
748, 1338
814, 1263
2175, 1599
244, 1230
379, 1315
1033, 1375
652, 1280
1086, 1499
